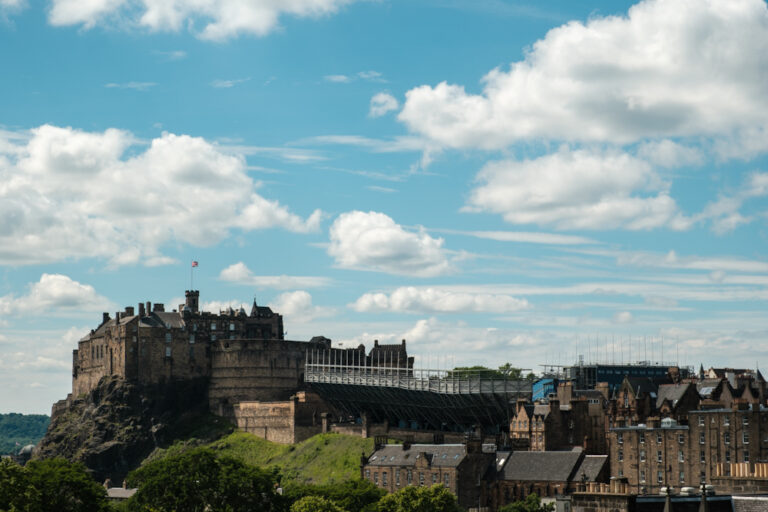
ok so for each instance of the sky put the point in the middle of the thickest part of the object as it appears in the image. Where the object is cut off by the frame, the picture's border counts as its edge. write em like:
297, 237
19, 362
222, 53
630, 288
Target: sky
493, 181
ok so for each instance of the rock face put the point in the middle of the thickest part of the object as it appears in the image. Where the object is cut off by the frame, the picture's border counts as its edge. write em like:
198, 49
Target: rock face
117, 424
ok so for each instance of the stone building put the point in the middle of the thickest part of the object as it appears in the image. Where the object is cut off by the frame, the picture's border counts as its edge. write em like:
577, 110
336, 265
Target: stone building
460, 467
548, 474
150, 345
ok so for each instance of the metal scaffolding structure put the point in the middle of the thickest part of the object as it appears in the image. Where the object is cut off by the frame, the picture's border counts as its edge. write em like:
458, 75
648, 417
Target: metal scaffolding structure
387, 390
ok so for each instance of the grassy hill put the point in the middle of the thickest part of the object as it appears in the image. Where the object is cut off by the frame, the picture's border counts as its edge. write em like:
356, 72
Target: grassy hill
321, 459
22, 429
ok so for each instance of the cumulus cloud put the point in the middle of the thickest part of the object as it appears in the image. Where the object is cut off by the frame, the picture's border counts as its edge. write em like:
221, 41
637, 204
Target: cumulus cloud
434, 300
373, 241
666, 69
57, 293
382, 103
239, 273
581, 189
65, 193
297, 306
220, 19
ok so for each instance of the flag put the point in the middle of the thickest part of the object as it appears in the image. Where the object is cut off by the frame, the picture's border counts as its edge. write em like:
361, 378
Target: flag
194, 263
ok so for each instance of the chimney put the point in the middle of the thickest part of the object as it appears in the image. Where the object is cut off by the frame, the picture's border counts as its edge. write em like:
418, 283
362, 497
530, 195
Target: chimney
149, 307
554, 405
117, 317
159, 308
129, 311
141, 309
104, 318
375, 343
403, 343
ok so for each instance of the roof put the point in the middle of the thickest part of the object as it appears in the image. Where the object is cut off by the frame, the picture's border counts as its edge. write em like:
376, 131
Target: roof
445, 455
671, 392
642, 386
541, 466
541, 410
591, 466
120, 493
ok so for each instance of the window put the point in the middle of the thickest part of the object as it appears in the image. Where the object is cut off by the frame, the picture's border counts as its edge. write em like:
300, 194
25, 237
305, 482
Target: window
434, 478
728, 456
642, 437
682, 476
746, 455
213, 337
701, 420
167, 337
167, 351
191, 352
384, 478
642, 455
191, 338
745, 420
658, 456
681, 438
620, 437
726, 420
367, 474
231, 326
621, 455
660, 476
376, 478
727, 437
658, 437
421, 478
194, 327
745, 437
621, 472
213, 326
702, 438
702, 456
447, 480
681, 456
409, 477
642, 476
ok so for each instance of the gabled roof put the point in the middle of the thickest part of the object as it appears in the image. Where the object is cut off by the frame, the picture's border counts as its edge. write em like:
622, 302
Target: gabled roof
642, 386
591, 466
671, 392
447, 455
541, 466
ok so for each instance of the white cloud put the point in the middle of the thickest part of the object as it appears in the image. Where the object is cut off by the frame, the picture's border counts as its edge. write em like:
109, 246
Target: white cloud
297, 306
220, 19
373, 241
382, 103
239, 273
66, 194
57, 293
337, 79
226, 84
667, 69
138, 86
529, 237
622, 317
581, 189
724, 213
433, 300
11, 5
172, 54
667, 153
371, 76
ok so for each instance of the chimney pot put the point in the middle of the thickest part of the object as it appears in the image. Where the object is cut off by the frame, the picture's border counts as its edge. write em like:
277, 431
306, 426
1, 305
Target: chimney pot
104, 317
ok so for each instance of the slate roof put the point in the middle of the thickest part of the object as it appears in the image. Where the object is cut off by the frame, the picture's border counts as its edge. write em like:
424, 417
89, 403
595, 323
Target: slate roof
445, 455
541, 466
643, 386
591, 466
671, 392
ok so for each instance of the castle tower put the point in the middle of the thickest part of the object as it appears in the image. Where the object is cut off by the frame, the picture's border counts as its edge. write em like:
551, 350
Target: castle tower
193, 300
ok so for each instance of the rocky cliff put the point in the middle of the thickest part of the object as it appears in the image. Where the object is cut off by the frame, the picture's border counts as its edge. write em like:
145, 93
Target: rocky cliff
116, 425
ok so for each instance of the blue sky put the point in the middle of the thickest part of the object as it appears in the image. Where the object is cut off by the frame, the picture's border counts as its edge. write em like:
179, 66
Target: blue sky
493, 181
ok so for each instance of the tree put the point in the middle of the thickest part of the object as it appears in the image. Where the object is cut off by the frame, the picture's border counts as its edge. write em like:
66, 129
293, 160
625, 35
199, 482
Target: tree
352, 495
50, 484
198, 480
532, 503
315, 504
420, 499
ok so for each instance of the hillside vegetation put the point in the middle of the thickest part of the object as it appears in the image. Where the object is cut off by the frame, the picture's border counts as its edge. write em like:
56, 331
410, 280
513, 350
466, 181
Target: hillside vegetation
17, 430
322, 459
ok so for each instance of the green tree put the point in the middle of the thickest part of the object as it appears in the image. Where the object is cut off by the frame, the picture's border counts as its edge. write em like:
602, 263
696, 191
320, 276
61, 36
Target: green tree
65, 486
16, 493
420, 499
198, 480
315, 504
532, 503
355, 495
